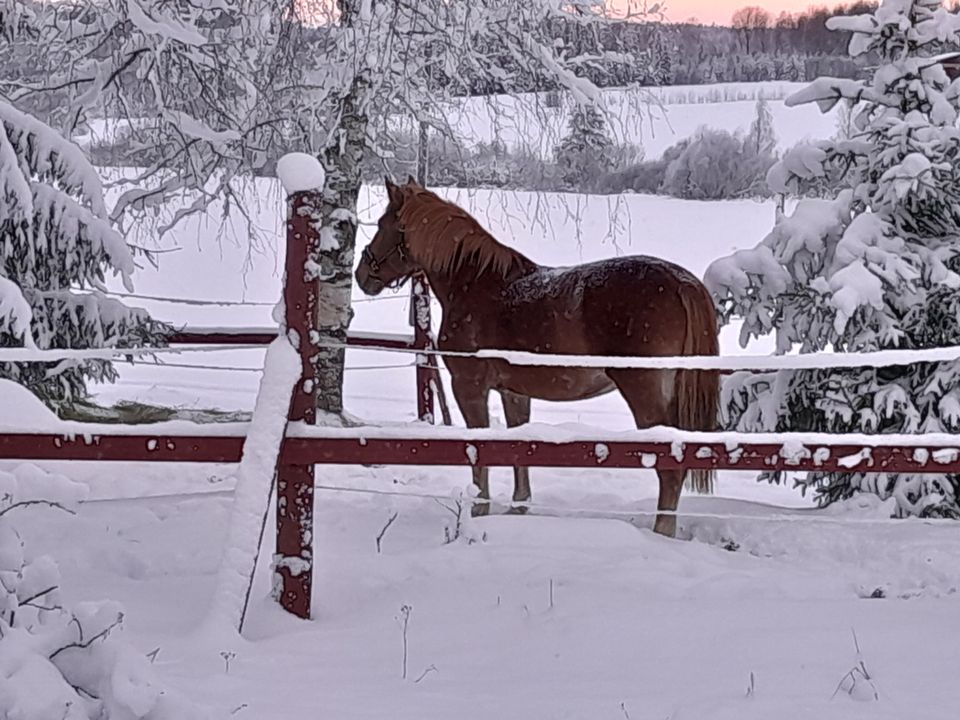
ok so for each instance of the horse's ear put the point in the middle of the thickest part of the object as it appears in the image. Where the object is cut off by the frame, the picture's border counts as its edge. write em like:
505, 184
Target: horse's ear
393, 192
411, 180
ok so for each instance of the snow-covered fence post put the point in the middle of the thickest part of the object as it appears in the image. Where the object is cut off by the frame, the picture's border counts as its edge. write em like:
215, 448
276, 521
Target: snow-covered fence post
302, 178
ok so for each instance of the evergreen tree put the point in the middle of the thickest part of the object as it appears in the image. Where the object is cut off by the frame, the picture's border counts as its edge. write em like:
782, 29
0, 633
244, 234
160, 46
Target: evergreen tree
587, 152
663, 53
877, 267
762, 137
56, 247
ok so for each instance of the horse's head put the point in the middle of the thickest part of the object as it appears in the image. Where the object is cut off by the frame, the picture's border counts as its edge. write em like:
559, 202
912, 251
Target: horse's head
386, 262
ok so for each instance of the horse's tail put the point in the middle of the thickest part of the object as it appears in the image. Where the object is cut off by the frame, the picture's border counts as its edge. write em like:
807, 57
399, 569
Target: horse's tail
698, 391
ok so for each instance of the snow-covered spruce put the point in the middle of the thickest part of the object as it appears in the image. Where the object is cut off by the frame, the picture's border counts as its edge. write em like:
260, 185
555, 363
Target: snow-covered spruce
876, 267
58, 661
55, 238
587, 152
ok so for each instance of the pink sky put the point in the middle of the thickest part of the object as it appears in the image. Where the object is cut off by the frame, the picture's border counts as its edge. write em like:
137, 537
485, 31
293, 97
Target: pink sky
719, 11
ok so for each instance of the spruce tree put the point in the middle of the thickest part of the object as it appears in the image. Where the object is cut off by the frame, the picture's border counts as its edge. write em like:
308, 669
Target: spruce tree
762, 137
663, 52
875, 267
586, 153
57, 246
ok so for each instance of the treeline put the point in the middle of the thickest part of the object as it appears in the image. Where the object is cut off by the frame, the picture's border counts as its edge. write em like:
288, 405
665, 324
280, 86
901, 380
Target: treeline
756, 47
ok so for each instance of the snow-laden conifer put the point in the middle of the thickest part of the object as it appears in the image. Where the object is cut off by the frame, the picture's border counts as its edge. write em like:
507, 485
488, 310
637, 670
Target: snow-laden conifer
877, 266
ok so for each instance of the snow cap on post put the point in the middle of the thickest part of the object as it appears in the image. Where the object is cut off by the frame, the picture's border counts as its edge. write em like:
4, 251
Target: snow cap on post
300, 172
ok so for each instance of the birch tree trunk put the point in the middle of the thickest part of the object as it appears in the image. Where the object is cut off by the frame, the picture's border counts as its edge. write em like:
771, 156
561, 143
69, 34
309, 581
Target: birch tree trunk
342, 159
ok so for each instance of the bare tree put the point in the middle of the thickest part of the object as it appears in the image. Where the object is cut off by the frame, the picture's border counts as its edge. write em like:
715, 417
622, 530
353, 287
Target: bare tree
751, 21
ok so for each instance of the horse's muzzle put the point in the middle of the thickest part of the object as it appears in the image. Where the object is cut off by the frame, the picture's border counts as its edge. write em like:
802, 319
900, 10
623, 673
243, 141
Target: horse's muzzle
369, 283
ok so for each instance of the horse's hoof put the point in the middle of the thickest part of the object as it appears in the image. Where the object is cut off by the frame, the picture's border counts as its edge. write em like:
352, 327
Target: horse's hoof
480, 509
666, 527
518, 510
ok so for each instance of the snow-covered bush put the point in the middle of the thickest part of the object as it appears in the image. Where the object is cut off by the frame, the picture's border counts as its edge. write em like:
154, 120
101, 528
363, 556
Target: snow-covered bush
645, 176
876, 267
718, 165
58, 661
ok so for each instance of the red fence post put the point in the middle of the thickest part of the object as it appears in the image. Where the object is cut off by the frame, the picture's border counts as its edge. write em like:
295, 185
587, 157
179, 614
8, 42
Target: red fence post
429, 384
294, 561
420, 319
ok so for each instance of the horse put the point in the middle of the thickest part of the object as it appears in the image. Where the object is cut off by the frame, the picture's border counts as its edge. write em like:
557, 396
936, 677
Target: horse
493, 297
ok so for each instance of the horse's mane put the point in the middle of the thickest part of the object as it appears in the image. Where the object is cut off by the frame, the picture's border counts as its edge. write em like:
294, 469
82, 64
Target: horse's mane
443, 237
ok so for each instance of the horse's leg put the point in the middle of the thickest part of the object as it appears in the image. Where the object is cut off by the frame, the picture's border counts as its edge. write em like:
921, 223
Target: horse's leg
671, 483
516, 408
649, 393
472, 399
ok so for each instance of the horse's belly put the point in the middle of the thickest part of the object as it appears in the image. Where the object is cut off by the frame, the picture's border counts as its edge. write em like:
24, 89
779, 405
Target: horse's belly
558, 384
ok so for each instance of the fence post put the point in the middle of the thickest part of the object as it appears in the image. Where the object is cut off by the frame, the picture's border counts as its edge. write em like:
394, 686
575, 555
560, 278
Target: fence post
420, 302
420, 319
295, 482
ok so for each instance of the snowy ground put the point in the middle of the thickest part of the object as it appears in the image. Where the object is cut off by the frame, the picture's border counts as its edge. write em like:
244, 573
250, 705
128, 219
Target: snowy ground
548, 617
578, 611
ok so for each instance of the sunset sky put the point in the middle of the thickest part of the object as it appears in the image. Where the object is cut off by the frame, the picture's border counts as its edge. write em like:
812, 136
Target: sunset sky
719, 11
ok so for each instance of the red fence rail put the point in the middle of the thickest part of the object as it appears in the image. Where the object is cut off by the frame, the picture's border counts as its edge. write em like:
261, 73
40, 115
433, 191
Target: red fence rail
464, 450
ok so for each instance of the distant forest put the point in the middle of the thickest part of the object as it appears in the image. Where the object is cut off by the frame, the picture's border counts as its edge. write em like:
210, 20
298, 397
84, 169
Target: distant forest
755, 46
758, 46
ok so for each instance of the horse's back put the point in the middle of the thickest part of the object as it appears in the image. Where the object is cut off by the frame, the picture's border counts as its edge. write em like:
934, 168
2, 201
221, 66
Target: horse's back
634, 305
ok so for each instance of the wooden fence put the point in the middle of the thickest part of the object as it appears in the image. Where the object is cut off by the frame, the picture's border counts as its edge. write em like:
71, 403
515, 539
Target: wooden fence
306, 447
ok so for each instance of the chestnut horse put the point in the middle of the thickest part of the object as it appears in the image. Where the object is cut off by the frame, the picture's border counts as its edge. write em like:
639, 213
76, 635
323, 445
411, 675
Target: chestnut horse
495, 298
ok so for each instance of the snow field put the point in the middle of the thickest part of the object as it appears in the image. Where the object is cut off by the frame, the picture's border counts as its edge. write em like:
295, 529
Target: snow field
667, 628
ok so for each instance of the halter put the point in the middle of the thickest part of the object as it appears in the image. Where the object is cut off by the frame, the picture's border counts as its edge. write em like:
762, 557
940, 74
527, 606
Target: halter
375, 264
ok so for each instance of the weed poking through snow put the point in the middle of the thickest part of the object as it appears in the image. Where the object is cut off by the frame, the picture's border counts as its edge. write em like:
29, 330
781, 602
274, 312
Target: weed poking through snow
857, 683
227, 656
462, 527
386, 527
404, 619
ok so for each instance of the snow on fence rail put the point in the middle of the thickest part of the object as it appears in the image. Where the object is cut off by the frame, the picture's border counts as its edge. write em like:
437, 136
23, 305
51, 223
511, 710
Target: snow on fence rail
202, 302
306, 446
253, 337
264, 335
